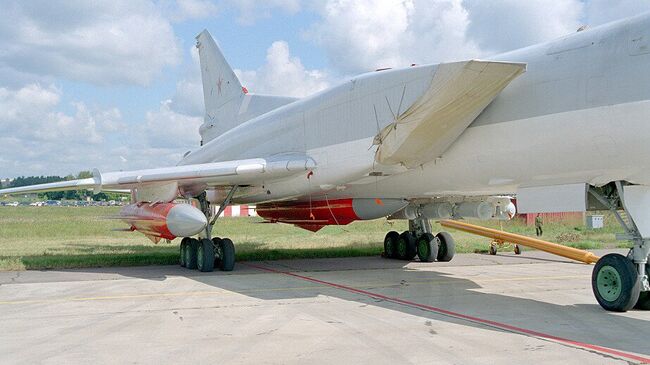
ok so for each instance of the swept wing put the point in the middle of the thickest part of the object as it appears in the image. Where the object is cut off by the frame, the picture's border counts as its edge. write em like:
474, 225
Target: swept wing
237, 172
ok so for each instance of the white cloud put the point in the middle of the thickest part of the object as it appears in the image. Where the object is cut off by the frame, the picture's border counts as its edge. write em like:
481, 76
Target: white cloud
252, 10
603, 11
283, 74
364, 35
188, 97
502, 25
183, 10
166, 128
123, 42
30, 113
37, 138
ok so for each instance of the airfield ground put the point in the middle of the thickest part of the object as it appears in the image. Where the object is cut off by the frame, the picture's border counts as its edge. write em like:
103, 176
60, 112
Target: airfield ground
69, 237
477, 309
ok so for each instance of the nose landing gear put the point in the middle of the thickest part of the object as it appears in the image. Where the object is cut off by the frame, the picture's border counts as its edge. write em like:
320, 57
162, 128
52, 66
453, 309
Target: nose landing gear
620, 282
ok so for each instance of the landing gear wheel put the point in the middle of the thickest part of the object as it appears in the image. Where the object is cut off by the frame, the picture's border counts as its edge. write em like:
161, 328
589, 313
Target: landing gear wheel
205, 256
428, 246
224, 254
615, 283
406, 246
182, 260
644, 298
447, 247
190, 253
517, 250
390, 244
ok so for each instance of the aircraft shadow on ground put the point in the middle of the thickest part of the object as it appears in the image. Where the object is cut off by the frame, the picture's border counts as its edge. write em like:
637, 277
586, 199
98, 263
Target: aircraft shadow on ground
583, 323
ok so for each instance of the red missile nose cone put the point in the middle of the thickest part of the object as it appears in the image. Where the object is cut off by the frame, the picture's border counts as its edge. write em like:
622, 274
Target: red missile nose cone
184, 220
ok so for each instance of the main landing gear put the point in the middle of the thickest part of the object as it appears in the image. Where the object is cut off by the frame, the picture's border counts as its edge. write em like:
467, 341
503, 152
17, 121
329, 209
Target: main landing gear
206, 254
419, 240
621, 282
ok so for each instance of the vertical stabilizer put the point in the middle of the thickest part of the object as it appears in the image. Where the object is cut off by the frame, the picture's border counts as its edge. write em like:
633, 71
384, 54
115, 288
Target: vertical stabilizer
227, 103
220, 84
222, 91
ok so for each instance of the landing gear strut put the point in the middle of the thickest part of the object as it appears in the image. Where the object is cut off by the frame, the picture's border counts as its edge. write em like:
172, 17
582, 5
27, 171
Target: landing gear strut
419, 240
621, 282
206, 253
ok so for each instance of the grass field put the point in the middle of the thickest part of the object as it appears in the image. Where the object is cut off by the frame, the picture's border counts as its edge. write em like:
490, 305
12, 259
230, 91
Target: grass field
68, 237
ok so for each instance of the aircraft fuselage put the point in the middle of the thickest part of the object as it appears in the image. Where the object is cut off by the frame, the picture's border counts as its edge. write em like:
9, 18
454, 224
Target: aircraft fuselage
578, 115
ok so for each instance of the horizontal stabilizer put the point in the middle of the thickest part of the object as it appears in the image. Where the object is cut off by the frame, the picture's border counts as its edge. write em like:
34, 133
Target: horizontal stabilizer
458, 93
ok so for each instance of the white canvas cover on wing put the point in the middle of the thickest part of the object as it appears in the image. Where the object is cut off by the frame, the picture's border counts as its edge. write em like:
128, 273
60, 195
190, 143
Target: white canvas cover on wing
458, 93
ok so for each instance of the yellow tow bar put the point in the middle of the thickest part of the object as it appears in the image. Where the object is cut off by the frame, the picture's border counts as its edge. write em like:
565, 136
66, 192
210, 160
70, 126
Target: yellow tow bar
550, 247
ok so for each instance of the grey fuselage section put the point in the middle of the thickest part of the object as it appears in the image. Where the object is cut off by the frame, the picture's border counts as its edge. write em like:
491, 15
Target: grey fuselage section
600, 67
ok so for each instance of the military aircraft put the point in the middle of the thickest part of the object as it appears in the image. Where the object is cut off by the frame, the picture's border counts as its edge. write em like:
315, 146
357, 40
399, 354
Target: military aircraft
564, 125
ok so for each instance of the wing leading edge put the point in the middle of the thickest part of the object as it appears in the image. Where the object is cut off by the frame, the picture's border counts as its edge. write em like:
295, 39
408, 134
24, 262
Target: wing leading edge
238, 172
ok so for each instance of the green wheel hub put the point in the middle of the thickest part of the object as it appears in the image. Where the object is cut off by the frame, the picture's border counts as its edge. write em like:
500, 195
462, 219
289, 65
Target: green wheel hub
401, 247
609, 283
199, 257
389, 248
423, 247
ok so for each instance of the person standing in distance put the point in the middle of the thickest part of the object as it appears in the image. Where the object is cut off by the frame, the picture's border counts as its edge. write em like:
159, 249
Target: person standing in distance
538, 225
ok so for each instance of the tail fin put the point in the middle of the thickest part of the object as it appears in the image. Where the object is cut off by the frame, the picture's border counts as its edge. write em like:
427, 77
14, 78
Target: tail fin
227, 103
222, 91
220, 84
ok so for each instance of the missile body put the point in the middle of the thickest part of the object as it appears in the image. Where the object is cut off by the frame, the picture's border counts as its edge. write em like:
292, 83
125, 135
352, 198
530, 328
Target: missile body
164, 220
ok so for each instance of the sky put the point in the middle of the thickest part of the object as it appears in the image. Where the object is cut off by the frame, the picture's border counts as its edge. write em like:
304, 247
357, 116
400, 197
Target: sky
115, 84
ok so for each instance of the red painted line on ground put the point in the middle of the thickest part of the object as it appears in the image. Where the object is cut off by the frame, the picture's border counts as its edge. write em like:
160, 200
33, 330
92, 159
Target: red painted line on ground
503, 326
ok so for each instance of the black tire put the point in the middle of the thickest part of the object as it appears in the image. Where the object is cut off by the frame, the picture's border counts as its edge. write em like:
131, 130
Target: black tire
644, 297
447, 248
227, 262
390, 244
181, 258
406, 246
615, 283
517, 250
190, 253
428, 246
205, 256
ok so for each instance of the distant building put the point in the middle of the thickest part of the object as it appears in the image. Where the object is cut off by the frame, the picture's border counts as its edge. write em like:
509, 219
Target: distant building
5, 182
563, 217
577, 218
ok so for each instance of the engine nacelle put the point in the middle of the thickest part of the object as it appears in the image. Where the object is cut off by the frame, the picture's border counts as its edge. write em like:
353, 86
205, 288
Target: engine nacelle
164, 220
319, 213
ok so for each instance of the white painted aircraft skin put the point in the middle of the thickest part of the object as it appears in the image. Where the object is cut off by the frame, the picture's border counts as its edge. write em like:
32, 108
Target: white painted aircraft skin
578, 114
